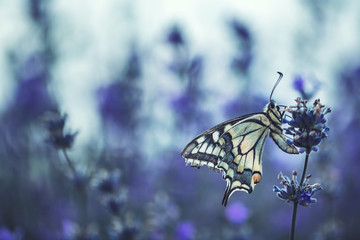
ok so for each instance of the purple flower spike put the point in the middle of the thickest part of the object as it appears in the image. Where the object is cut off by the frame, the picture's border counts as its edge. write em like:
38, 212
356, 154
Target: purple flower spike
307, 124
294, 192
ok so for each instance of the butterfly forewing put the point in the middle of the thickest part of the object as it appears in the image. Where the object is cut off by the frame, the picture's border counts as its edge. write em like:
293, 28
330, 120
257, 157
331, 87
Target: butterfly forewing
205, 148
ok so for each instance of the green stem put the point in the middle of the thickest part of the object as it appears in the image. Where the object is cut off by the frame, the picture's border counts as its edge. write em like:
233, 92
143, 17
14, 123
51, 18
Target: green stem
81, 192
305, 166
71, 165
293, 218
293, 221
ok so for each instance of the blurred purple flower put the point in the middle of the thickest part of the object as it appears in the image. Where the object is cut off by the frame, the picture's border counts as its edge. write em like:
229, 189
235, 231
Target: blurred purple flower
185, 231
183, 104
55, 123
132, 69
69, 229
162, 211
32, 98
114, 205
237, 213
186, 104
298, 84
73, 231
5, 234
242, 63
187, 110
118, 102
244, 55
350, 81
107, 182
175, 36
37, 10
124, 232
240, 30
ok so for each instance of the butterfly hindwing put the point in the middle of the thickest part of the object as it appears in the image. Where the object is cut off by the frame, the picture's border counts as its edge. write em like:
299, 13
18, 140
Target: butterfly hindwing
203, 150
242, 164
281, 142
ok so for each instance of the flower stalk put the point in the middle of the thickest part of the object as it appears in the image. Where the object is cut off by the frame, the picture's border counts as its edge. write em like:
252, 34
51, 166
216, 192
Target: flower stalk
293, 218
69, 163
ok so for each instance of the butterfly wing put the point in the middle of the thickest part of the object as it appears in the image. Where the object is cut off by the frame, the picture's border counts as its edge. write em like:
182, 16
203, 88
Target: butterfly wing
234, 147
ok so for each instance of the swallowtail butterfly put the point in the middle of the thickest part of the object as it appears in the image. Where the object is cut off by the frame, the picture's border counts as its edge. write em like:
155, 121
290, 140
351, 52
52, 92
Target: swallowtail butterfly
235, 147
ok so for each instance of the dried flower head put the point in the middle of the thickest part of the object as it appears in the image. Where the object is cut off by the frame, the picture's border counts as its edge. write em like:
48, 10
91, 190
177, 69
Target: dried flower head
307, 124
294, 192
55, 123
107, 182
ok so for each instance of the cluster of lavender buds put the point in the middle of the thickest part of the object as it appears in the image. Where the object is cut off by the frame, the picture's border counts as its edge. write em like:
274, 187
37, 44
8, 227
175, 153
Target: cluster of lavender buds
112, 195
307, 124
55, 123
294, 192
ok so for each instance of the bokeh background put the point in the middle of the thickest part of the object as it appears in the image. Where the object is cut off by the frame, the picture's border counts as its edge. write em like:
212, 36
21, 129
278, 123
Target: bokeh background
98, 98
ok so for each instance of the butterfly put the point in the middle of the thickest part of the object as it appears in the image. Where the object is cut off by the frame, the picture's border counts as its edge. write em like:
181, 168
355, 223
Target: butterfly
235, 147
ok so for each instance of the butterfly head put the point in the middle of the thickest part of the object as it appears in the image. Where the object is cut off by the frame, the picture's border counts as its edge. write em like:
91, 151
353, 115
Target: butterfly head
273, 111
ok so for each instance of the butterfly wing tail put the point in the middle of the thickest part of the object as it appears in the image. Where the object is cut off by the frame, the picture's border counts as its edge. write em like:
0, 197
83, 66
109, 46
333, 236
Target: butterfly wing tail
226, 195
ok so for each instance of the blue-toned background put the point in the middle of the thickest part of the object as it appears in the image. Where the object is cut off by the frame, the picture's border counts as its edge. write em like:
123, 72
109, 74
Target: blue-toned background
98, 98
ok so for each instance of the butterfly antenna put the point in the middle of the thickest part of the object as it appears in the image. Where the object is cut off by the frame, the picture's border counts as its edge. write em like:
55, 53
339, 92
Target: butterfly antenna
277, 82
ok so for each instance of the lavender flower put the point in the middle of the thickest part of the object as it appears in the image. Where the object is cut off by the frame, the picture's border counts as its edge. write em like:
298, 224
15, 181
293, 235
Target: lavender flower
31, 97
73, 231
307, 124
121, 231
107, 182
185, 231
55, 125
114, 204
298, 84
175, 37
116, 103
237, 213
294, 192
240, 30
244, 56
133, 69
108, 186
5, 234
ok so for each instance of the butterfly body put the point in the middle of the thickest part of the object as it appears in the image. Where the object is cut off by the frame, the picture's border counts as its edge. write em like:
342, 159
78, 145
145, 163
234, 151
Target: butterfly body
235, 148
